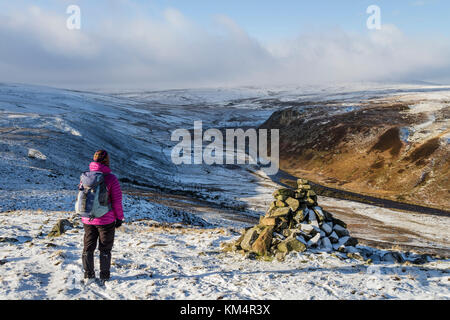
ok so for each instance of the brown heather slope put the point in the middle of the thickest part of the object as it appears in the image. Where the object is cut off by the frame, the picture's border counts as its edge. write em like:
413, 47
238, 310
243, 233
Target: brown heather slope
363, 150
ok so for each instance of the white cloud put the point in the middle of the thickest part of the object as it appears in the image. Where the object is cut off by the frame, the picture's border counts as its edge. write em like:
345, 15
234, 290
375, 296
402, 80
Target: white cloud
173, 51
379, 55
46, 32
418, 3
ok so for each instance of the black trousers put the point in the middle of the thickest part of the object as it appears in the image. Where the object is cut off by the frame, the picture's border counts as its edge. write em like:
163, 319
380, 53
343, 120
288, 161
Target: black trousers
105, 236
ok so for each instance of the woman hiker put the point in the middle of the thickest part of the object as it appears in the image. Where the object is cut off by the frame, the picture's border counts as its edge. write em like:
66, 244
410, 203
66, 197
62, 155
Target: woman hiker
103, 228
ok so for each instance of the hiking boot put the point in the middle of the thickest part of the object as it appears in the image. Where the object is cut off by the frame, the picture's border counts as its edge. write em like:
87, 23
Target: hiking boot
101, 282
88, 281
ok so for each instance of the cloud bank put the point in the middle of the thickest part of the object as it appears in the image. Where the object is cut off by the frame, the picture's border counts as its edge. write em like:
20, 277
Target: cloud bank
173, 52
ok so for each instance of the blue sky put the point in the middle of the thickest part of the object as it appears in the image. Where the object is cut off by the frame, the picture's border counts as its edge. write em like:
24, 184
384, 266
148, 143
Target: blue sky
186, 43
289, 17
275, 19
281, 18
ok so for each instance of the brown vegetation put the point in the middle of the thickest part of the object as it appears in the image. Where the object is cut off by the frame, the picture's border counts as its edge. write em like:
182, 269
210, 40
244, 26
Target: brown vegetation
361, 151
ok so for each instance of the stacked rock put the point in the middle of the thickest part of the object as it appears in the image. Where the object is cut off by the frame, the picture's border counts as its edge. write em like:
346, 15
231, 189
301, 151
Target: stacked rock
294, 222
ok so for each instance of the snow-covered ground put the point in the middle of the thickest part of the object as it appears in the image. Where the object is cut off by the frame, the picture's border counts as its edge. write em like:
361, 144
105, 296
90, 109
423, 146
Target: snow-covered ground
430, 104
154, 261
162, 252
414, 229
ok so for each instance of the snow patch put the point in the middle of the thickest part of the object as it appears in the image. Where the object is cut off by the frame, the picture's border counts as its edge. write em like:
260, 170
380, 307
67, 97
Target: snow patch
36, 154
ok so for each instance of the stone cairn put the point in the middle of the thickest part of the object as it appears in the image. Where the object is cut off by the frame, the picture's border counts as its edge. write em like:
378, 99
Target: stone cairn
294, 222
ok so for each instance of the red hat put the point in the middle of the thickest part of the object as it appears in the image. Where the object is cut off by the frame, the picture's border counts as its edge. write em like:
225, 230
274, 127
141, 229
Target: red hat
102, 157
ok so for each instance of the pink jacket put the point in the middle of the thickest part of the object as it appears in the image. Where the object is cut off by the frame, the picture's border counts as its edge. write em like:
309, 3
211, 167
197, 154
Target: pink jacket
114, 193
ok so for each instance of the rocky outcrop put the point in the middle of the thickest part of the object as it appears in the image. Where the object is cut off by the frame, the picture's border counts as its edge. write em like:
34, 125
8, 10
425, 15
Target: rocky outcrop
36, 154
380, 148
60, 228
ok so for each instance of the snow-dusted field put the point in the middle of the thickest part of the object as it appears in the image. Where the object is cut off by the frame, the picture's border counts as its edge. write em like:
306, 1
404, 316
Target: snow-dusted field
154, 261
162, 252
415, 229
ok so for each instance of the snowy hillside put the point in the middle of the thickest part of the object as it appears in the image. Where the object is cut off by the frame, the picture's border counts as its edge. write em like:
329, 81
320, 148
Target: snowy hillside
65, 126
177, 216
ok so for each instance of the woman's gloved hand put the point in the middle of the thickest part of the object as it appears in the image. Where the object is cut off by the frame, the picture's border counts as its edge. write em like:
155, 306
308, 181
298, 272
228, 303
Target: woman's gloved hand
118, 223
